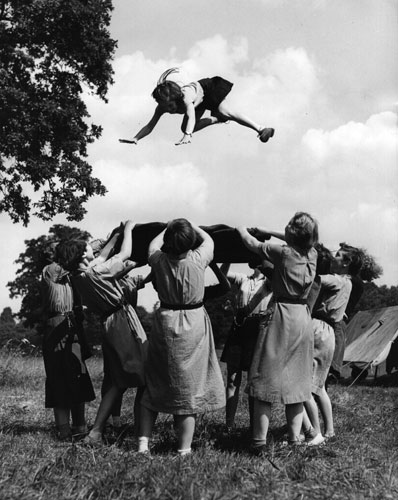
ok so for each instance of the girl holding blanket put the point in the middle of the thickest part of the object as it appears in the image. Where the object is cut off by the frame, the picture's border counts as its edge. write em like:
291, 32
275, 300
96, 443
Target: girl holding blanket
281, 369
183, 376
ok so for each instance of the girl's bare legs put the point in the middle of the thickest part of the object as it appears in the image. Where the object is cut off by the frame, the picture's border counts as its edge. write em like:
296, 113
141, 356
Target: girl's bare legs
104, 410
228, 113
261, 416
147, 421
137, 410
311, 409
294, 418
325, 407
234, 378
185, 426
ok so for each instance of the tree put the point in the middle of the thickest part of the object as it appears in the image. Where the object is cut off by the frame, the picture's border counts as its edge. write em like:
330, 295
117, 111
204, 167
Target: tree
50, 51
39, 252
377, 296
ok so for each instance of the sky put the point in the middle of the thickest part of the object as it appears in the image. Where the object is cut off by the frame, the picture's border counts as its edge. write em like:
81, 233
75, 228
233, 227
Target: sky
323, 73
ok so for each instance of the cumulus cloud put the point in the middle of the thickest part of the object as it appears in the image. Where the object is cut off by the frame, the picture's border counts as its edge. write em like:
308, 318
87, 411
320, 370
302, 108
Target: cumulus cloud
148, 193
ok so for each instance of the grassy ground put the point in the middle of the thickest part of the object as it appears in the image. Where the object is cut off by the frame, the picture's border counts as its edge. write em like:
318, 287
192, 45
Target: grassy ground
361, 464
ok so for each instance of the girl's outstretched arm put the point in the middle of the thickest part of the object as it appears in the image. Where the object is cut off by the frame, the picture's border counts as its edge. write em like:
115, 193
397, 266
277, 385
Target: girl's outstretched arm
190, 119
146, 129
265, 234
156, 243
250, 241
125, 250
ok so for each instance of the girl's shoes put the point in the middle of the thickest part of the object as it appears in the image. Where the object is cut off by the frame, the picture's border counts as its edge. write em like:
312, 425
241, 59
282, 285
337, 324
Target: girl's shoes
78, 431
266, 134
315, 441
93, 441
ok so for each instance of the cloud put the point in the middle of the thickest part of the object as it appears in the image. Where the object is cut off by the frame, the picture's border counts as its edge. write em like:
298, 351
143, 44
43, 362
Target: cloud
147, 193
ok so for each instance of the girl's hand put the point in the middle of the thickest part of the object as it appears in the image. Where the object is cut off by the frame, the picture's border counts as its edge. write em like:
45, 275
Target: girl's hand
129, 224
186, 139
259, 233
128, 141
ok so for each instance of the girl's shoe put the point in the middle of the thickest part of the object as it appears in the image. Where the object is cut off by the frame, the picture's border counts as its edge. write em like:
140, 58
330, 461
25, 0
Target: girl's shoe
316, 441
266, 134
79, 431
94, 442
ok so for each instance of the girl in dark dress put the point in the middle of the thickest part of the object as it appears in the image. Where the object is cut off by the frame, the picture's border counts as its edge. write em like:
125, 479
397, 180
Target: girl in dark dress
192, 101
68, 384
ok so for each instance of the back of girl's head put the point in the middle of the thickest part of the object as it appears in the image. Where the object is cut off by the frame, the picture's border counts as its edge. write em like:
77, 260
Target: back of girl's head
167, 90
179, 237
302, 231
355, 255
324, 259
69, 254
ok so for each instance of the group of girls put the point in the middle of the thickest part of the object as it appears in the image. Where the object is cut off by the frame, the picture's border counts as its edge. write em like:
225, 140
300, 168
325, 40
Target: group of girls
273, 337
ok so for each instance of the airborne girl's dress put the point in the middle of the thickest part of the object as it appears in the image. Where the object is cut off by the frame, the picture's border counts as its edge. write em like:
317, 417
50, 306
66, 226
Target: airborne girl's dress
68, 383
183, 375
281, 371
207, 93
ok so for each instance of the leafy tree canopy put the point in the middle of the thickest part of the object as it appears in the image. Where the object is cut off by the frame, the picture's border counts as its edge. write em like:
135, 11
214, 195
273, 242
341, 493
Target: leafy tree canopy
39, 252
49, 51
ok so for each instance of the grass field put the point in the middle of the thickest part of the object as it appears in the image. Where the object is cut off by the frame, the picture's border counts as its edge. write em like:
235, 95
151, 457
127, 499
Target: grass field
362, 463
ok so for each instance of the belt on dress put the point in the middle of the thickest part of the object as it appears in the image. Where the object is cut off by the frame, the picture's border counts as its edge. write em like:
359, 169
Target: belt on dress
114, 309
290, 300
180, 307
54, 314
329, 321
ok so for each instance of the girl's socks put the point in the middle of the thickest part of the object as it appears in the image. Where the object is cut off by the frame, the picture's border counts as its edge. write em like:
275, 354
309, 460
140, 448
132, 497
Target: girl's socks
143, 444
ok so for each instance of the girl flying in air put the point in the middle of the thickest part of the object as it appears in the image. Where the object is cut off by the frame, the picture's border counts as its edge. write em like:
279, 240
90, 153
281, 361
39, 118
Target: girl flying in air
192, 101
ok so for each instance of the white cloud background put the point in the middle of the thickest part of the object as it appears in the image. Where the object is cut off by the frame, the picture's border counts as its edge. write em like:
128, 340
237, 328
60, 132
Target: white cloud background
334, 153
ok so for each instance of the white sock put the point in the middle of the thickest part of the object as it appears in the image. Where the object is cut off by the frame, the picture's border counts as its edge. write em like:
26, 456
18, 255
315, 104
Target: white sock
186, 451
143, 443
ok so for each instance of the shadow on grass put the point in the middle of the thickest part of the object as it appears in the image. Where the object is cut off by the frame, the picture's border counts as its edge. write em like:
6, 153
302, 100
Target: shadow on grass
19, 428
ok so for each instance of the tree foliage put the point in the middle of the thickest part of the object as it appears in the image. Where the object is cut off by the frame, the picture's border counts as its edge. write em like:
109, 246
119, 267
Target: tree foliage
377, 296
39, 252
50, 51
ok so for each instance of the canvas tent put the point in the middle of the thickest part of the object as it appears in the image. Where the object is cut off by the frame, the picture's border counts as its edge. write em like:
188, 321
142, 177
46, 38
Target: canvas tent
372, 339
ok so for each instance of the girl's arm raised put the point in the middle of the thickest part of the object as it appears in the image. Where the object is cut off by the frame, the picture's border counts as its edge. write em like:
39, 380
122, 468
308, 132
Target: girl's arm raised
190, 124
146, 129
156, 243
265, 234
125, 250
250, 241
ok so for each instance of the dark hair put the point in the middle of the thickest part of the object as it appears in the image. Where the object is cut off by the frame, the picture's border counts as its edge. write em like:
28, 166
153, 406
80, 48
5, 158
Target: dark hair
324, 259
179, 237
168, 91
355, 256
302, 231
69, 254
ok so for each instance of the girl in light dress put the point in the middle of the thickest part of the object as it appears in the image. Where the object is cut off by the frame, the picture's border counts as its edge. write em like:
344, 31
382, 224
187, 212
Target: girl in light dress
183, 377
334, 279
281, 370
97, 281
192, 101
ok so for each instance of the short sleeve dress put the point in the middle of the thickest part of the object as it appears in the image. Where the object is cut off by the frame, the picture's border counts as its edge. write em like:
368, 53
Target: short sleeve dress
102, 294
183, 376
281, 370
68, 382
329, 310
